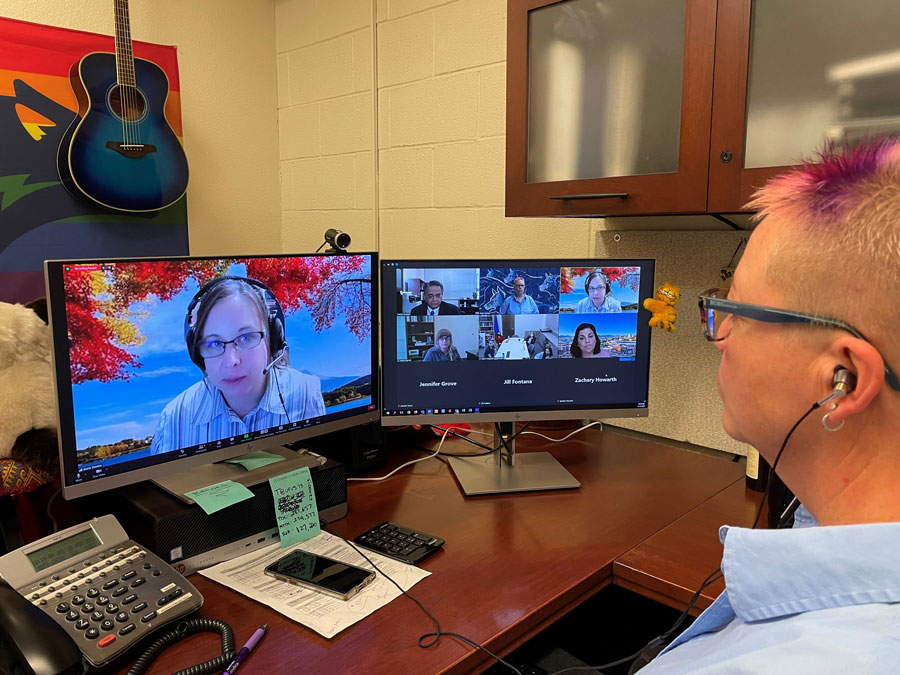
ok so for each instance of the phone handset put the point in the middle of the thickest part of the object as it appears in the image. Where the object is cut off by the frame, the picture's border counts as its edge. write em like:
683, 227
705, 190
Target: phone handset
30, 641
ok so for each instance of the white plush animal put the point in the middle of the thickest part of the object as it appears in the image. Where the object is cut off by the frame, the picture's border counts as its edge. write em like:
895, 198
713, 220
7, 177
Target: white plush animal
27, 398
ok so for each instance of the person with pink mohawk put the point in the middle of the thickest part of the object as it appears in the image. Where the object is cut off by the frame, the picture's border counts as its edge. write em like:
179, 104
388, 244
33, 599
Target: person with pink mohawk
809, 346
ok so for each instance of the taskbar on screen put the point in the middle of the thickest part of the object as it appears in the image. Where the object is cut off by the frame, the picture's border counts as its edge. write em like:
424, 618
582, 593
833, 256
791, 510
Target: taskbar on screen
105, 468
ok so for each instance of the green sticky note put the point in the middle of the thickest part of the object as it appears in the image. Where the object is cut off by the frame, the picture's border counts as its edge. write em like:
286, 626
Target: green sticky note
254, 460
216, 497
295, 506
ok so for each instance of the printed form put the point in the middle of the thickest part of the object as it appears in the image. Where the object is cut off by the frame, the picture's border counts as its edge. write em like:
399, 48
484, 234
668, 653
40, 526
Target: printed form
326, 615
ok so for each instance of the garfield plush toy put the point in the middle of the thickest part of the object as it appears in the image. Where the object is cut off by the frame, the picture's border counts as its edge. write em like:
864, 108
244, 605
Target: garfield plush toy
663, 307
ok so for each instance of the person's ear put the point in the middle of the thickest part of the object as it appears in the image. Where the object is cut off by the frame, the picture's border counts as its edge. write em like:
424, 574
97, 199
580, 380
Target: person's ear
866, 364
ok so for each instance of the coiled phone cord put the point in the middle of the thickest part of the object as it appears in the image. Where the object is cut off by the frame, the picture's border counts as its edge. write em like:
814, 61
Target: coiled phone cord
182, 630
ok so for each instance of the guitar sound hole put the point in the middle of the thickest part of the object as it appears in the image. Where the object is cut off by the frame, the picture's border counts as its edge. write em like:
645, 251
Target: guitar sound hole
127, 102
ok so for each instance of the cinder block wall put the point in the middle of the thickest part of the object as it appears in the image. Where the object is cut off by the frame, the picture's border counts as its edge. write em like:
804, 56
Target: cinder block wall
424, 175
326, 120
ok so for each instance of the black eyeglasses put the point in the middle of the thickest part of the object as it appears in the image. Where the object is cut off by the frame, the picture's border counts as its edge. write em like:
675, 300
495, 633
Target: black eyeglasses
209, 349
714, 310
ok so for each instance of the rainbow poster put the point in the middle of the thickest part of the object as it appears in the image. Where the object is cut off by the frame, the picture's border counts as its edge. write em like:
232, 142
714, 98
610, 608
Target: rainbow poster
39, 218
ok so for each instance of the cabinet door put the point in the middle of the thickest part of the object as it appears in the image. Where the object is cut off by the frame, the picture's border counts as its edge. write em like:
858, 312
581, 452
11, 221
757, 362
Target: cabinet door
791, 75
608, 106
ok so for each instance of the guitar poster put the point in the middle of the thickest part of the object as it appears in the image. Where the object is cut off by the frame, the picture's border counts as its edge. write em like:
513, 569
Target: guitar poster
39, 218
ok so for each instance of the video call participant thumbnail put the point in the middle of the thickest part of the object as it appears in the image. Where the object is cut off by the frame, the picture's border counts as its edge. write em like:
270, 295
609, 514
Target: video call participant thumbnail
234, 332
519, 302
434, 304
586, 345
444, 349
598, 299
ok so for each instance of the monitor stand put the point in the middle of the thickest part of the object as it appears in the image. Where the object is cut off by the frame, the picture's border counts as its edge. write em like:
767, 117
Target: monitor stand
505, 471
177, 484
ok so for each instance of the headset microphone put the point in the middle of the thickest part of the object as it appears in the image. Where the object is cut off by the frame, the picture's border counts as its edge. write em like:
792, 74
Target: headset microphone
280, 355
843, 383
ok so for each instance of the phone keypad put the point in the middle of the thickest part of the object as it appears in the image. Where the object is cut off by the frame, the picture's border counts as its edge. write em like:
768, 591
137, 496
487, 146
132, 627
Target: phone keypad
113, 599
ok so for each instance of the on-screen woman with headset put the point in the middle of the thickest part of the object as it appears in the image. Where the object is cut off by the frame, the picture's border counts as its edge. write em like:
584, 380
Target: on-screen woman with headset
234, 330
598, 300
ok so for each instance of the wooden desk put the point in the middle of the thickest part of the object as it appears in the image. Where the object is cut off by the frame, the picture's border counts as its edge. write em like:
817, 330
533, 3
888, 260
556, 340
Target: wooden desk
512, 564
670, 566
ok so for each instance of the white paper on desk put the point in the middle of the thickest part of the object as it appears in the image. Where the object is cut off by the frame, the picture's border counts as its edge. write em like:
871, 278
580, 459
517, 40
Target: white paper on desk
326, 615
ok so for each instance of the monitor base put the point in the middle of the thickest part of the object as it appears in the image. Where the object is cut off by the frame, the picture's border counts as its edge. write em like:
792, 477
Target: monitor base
532, 471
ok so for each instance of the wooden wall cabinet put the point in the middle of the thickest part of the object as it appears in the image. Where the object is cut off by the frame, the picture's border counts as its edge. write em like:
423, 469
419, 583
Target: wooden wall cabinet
595, 125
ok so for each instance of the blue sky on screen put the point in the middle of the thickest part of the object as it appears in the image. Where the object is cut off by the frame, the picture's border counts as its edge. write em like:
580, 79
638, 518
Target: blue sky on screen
108, 412
615, 323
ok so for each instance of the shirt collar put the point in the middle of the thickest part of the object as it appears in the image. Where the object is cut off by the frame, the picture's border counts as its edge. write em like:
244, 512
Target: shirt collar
772, 573
214, 406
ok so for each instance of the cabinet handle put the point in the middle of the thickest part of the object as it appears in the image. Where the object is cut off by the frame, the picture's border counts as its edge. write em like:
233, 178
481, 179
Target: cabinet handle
598, 195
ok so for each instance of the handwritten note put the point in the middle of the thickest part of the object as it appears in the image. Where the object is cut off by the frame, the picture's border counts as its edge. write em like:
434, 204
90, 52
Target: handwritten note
295, 506
254, 460
216, 497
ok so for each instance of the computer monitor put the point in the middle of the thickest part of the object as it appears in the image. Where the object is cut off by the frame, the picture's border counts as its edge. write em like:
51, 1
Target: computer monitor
163, 365
514, 340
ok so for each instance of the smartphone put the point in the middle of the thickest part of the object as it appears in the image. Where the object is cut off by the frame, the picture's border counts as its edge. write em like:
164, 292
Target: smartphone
332, 577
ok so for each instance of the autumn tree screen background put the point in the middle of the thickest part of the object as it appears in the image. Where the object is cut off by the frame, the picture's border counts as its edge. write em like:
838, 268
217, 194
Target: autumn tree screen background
127, 356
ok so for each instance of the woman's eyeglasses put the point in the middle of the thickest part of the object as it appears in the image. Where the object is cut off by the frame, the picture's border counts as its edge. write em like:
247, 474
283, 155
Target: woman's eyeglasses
210, 349
715, 310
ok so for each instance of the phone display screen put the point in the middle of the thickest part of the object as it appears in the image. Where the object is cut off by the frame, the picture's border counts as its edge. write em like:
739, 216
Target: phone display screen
315, 570
63, 550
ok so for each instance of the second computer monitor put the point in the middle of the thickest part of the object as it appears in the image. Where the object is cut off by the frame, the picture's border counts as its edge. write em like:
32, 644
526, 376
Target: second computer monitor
475, 340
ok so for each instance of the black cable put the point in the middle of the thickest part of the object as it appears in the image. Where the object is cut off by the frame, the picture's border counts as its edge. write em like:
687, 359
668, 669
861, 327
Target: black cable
428, 640
658, 640
723, 219
430, 451
280, 397
321, 247
182, 630
775, 463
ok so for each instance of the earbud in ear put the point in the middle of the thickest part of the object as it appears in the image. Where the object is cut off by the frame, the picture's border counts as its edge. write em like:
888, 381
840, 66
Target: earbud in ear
843, 381
842, 384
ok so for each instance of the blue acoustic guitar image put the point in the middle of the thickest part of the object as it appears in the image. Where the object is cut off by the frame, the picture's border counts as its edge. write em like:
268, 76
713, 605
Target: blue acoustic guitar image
120, 152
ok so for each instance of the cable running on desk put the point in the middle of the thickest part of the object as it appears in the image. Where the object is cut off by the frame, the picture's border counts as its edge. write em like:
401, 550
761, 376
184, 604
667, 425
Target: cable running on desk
428, 640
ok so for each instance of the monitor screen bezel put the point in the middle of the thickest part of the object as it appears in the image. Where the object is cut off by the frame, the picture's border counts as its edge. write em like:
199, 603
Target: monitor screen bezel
576, 412
60, 365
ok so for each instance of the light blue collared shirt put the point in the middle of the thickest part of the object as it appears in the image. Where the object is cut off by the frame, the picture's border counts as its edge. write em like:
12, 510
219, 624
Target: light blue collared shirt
513, 306
586, 306
804, 600
200, 414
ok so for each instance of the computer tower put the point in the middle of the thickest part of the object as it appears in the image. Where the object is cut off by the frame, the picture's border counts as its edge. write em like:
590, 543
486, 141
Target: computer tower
190, 539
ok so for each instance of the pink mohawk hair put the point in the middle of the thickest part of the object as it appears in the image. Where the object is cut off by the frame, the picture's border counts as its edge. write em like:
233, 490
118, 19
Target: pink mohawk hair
821, 186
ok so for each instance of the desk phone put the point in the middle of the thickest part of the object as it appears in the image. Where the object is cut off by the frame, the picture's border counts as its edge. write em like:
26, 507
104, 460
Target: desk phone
106, 591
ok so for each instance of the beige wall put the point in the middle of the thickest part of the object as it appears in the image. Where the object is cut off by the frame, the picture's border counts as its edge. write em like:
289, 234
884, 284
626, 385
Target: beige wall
227, 69
440, 73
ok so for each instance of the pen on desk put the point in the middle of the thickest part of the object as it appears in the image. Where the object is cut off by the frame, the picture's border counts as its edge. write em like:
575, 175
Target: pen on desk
242, 655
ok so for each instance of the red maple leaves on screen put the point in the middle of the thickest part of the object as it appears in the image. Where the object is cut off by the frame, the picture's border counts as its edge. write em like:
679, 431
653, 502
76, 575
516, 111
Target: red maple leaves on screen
629, 277
105, 309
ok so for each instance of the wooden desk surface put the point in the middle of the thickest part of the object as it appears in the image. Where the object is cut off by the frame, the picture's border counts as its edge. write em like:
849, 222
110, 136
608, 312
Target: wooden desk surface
511, 566
670, 566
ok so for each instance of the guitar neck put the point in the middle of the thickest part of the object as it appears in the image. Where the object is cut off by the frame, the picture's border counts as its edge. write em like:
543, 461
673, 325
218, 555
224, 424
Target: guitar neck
124, 55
